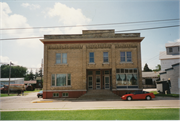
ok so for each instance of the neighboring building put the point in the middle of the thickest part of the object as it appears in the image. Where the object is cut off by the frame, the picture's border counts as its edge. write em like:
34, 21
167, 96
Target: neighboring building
149, 79
170, 56
170, 66
5, 81
172, 74
30, 82
93, 60
39, 82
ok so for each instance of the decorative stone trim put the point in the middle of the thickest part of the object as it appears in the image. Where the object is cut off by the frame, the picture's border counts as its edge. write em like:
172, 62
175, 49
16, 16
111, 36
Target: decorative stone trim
98, 46
65, 46
125, 46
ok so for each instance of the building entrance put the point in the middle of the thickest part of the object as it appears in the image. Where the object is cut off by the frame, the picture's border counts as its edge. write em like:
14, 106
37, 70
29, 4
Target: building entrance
98, 79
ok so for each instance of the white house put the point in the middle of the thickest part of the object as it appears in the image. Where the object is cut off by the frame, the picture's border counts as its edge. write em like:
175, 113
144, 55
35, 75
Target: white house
149, 79
170, 56
170, 60
5, 81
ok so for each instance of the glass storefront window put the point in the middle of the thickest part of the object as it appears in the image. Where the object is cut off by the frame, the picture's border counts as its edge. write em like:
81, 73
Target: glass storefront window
126, 77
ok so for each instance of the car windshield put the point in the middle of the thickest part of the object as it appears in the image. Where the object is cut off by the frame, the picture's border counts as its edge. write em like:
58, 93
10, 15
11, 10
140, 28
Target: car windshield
40, 91
137, 92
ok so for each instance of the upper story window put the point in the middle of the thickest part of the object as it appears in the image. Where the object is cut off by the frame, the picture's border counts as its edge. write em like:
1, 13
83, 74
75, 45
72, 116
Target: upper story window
125, 56
91, 57
170, 49
61, 58
105, 57
61, 80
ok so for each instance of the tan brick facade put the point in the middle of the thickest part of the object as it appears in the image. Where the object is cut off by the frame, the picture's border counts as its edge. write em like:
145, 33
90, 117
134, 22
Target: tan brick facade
78, 48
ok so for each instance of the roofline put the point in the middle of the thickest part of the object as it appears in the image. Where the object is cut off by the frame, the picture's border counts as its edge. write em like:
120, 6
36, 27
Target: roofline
91, 40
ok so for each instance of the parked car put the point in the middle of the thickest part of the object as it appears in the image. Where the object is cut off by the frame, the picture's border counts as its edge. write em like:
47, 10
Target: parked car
138, 95
40, 94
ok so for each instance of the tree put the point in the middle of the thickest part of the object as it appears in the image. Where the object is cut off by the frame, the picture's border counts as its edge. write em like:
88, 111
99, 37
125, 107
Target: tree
146, 68
29, 76
158, 68
16, 71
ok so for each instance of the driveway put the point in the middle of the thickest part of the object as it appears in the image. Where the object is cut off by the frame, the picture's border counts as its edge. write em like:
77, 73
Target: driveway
21, 103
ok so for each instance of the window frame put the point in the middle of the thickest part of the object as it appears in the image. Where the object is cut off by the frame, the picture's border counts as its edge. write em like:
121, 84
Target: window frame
56, 95
56, 80
106, 57
66, 94
91, 57
134, 71
61, 58
170, 48
126, 57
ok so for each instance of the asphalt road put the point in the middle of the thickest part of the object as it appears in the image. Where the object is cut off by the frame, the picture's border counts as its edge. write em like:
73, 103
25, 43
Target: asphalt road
22, 103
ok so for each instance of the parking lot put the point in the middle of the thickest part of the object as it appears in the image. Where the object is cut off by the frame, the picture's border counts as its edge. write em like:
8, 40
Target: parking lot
17, 103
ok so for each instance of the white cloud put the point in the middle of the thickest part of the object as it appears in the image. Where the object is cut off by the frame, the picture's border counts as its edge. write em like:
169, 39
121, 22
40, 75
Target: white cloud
67, 15
178, 40
17, 21
6, 60
30, 6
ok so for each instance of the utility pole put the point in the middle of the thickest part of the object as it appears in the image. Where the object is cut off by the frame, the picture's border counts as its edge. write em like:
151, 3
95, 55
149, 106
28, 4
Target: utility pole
9, 77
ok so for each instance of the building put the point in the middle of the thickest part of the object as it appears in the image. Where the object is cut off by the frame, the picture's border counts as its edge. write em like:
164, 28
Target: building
170, 56
149, 79
5, 81
93, 60
170, 60
172, 74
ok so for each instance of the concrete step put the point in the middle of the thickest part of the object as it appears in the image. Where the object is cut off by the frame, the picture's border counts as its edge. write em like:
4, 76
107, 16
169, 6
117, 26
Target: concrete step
99, 95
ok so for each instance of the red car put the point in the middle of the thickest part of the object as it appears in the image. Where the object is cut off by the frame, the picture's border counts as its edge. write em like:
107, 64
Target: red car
138, 95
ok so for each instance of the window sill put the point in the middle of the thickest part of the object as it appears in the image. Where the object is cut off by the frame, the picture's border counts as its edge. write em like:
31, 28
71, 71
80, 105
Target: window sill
125, 62
92, 63
106, 63
60, 86
61, 64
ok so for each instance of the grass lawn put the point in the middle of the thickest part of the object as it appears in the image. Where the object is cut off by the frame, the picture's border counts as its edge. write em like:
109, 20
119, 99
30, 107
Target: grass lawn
32, 91
114, 114
15, 94
6, 95
165, 95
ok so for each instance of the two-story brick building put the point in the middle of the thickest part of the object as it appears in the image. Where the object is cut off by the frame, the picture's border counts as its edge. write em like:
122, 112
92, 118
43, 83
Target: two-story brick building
93, 60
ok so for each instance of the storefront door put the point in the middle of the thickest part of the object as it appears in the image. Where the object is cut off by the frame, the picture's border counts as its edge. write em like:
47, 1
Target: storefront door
106, 82
90, 82
98, 82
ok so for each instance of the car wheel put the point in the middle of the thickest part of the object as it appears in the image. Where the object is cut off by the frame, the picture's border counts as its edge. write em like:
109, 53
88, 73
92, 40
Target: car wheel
148, 97
38, 96
129, 98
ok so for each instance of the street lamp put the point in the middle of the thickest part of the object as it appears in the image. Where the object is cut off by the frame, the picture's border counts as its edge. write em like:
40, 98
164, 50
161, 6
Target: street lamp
9, 76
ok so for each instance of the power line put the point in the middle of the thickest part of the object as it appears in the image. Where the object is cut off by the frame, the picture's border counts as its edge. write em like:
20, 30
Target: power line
98, 33
160, 55
92, 24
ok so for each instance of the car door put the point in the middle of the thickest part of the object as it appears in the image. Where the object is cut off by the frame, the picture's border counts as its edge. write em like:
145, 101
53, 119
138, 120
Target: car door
138, 95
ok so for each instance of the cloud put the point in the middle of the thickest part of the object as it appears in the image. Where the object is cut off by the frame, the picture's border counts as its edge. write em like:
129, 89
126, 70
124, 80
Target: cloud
178, 40
10, 20
30, 6
67, 15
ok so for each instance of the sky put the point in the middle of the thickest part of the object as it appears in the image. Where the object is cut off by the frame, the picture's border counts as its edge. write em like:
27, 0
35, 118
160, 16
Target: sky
45, 13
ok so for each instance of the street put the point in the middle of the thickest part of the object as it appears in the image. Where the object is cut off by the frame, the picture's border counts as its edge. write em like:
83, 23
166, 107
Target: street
22, 103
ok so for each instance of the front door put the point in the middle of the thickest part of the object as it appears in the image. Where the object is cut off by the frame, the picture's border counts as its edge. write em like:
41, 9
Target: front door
90, 82
106, 82
98, 82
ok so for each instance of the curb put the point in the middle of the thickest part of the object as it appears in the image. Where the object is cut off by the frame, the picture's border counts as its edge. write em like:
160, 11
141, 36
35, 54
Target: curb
41, 101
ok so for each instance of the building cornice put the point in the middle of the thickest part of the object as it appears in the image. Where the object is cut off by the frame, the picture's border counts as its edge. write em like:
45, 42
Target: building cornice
90, 40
